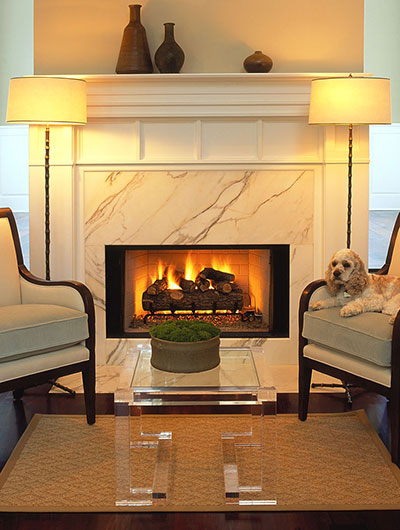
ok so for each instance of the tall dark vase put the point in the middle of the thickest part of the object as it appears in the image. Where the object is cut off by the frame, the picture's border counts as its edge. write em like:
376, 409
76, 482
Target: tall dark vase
169, 57
134, 55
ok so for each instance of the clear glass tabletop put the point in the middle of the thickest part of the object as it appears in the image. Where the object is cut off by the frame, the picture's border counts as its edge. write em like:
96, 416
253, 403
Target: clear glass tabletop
236, 372
242, 375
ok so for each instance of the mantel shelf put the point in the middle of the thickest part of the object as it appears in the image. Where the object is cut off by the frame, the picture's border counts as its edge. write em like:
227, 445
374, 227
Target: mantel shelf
271, 76
115, 96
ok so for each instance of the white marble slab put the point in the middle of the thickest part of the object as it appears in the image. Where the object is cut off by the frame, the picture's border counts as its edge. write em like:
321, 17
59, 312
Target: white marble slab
199, 207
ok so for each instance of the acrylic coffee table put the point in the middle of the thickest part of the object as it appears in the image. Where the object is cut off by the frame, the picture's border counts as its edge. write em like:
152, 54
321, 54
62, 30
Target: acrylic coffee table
239, 387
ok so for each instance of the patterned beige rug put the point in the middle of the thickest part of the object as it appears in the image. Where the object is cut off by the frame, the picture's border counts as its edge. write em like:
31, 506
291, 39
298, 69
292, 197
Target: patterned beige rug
329, 462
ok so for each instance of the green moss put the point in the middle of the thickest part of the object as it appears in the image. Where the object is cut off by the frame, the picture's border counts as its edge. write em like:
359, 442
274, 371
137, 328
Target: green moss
185, 331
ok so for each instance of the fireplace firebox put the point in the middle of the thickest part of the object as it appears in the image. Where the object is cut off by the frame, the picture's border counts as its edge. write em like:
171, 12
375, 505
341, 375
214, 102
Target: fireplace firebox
243, 289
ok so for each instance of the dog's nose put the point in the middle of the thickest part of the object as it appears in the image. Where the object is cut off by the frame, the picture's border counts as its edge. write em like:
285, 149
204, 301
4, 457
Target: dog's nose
336, 273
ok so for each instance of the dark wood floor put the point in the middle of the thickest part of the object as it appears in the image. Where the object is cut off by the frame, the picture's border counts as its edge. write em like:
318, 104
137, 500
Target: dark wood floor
15, 416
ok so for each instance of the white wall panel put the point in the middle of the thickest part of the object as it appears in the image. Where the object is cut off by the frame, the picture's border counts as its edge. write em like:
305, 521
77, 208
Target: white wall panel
229, 140
106, 143
290, 140
14, 175
385, 167
162, 140
61, 145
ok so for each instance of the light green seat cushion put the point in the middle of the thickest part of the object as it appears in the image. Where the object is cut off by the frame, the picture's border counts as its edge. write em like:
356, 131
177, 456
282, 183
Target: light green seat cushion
368, 336
28, 329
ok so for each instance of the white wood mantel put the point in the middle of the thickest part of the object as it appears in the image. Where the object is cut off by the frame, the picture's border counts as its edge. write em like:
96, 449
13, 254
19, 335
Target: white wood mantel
199, 95
171, 129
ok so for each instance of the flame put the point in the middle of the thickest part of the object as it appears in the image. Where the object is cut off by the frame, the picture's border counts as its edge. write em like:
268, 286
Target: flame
189, 269
221, 265
171, 278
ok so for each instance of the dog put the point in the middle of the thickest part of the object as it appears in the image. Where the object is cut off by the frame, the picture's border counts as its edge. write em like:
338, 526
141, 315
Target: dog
357, 291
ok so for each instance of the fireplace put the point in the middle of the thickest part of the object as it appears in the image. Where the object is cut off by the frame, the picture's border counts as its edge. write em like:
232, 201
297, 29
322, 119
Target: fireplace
243, 289
197, 159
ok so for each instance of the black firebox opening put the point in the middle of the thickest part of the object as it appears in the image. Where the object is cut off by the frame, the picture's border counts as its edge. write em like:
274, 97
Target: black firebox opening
118, 260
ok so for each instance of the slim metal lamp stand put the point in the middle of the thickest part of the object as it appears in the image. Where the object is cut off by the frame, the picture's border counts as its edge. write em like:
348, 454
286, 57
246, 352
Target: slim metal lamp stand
47, 228
47, 201
345, 385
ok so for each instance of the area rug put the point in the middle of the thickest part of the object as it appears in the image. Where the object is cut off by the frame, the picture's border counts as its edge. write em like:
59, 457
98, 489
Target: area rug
329, 462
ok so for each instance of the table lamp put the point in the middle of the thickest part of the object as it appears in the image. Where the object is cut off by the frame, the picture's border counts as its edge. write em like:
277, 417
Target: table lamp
350, 101
48, 101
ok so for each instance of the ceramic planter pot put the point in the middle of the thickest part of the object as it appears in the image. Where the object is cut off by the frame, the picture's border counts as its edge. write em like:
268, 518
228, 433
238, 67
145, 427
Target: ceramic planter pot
185, 357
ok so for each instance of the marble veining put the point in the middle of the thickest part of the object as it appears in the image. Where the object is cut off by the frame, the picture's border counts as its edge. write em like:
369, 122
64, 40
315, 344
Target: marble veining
197, 207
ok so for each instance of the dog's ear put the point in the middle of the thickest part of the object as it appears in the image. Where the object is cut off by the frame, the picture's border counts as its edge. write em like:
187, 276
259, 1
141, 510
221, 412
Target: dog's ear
332, 286
358, 280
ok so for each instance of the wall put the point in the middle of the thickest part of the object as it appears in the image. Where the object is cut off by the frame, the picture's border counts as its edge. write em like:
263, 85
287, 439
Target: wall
16, 45
16, 58
382, 45
84, 36
381, 56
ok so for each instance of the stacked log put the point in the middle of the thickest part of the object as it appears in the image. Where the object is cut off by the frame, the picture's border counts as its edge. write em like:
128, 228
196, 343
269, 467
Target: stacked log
218, 276
196, 300
158, 286
197, 295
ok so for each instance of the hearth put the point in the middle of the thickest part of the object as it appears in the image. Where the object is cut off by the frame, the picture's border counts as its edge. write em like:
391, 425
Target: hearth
241, 288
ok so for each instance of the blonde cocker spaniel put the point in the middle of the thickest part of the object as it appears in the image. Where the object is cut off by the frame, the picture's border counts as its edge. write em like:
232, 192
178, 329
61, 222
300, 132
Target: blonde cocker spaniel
356, 290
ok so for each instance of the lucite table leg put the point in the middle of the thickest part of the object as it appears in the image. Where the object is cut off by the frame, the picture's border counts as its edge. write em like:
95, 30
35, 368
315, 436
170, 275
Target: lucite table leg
122, 453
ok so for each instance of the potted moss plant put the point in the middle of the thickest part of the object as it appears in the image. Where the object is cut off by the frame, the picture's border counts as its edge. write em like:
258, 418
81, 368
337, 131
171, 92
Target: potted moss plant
185, 346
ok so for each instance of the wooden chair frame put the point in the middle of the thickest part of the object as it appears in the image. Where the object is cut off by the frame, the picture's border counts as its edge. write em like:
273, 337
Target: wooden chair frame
306, 366
87, 368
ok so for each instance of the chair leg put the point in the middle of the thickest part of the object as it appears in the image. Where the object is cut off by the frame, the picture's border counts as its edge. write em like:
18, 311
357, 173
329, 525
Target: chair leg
394, 411
18, 393
304, 389
89, 387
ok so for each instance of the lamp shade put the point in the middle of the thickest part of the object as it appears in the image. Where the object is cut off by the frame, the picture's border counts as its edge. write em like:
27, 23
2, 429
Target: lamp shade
350, 100
48, 100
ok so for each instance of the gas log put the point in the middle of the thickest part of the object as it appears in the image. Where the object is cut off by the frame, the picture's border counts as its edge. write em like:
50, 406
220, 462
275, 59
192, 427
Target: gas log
193, 301
202, 283
186, 285
218, 276
158, 286
223, 287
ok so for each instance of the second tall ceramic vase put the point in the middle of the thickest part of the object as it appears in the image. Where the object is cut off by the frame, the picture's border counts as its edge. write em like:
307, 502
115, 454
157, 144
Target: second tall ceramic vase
169, 57
134, 56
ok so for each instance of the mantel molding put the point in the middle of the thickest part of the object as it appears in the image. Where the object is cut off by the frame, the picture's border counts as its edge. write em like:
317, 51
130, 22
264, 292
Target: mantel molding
199, 95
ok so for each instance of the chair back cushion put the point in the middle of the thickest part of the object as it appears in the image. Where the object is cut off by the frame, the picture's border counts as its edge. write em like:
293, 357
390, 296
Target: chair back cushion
367, 336
10, 292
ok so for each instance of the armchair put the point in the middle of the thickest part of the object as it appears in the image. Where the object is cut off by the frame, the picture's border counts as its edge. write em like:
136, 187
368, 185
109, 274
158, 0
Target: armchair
47, 328
363, 350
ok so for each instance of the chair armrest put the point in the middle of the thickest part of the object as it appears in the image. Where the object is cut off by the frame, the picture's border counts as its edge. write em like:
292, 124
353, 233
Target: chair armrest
72, 294
67, 293
315, 289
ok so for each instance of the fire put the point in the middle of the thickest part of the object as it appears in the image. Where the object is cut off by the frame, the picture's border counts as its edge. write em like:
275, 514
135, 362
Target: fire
191, 270
221, 265
171, 278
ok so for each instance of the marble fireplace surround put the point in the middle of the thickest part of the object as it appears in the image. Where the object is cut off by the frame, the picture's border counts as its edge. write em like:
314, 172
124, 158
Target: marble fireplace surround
136, 174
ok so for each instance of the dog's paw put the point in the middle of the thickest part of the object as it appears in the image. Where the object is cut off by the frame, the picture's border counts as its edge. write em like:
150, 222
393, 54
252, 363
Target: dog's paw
393, 317
347, 311
314, 306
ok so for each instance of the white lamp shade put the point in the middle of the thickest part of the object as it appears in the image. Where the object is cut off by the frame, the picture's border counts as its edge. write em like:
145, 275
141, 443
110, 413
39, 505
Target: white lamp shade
48, 100
350, 100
